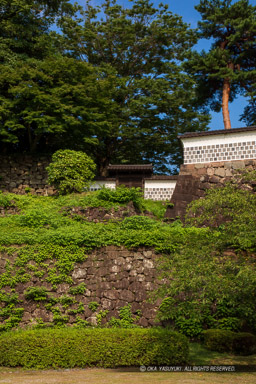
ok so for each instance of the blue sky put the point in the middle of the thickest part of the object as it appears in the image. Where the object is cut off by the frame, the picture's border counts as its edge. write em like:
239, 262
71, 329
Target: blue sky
185, 8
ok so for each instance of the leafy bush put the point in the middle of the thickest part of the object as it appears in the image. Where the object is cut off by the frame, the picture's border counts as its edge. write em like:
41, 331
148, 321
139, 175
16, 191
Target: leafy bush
138, 222
227, 341
229, 323
121, 195
231, 209
210, 279
5, 201
35, 218
204, 287
218, 340
68, 348
244, 343
70, 171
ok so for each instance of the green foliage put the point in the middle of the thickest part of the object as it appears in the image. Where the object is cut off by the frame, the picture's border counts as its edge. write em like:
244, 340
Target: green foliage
226, 341
93, 306
211, 276
205, 288
43, 222
36, 293
121, 195
64, 259
66, 300
78, 290
139, 223
69, 348
80, 323
158, 208
70, 171
219, 340
125, 320
232, 26
60, 100
101, 315
122, 99
231, 209
229, 323
59, 319
8, 298
191, 327
36, 218
10, 314
5, 201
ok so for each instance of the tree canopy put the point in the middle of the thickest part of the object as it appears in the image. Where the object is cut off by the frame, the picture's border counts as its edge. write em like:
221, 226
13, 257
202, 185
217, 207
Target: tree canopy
229, 68
24, 27
142, 49
111, 82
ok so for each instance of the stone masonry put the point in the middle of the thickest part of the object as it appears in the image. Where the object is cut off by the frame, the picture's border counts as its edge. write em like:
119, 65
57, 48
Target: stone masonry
21, 174
114, 277
210, 159
195, 179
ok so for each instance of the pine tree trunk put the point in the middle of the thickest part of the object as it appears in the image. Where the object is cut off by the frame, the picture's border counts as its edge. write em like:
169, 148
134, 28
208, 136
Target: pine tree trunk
225, 99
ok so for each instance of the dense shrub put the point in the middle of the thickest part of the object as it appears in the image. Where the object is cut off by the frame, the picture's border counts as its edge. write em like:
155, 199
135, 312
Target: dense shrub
70, 171
139, 222
68, 348
227, 341
231, 210
204, 287
218, 340
5, 201
210, 279
244, 343
121, 195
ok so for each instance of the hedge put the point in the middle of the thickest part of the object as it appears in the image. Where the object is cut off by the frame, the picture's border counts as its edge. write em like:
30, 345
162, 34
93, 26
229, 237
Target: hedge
221, 340
70, 347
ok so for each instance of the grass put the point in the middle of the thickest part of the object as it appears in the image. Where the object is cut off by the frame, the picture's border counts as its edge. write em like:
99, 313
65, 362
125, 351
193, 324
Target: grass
199, 355
158, 208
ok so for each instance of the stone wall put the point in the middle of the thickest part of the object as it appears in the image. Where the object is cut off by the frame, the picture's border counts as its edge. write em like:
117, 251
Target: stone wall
20, 174
194, 179
113, 276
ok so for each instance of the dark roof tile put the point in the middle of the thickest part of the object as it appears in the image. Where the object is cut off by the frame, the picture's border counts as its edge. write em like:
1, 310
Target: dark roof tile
162, 177
124, 167
217, 132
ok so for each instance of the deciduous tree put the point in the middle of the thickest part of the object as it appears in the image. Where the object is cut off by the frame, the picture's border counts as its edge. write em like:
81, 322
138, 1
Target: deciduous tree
141, 48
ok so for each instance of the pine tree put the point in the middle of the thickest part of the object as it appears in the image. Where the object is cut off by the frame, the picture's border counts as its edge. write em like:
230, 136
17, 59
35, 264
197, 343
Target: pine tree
229, 68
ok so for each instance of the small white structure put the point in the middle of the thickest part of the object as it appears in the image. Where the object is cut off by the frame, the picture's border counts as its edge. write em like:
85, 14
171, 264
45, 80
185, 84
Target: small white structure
220, 145
103, 182
159, 187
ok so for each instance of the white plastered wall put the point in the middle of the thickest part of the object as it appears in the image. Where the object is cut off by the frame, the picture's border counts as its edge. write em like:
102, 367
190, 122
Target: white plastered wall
96, 185
159, 189
221, 147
